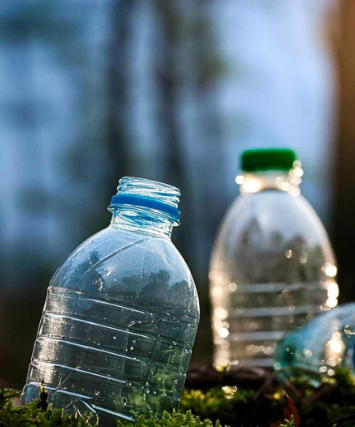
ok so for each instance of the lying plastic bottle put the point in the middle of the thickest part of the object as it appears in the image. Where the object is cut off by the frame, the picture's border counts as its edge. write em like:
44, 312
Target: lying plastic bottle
121, 314
323, 344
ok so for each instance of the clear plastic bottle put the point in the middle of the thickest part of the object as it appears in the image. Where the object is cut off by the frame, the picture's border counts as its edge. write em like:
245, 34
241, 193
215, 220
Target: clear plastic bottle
323, 344
272, 266
121, 314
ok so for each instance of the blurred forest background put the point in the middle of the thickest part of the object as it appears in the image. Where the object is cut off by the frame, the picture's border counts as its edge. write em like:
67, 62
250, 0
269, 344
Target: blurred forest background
92, 90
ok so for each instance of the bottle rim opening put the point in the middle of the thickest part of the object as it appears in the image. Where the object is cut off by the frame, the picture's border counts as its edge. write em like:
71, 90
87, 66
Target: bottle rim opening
133, 191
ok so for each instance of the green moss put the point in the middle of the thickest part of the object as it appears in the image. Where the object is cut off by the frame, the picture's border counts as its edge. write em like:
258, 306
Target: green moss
215, 401
32, 415
175, 419
322, 403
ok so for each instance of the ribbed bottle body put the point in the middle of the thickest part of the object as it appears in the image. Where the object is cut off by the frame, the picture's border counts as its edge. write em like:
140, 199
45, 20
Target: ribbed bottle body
118, 327
272, 270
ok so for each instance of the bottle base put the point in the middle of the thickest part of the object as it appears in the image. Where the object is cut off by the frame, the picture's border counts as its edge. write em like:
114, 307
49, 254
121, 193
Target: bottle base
74, 403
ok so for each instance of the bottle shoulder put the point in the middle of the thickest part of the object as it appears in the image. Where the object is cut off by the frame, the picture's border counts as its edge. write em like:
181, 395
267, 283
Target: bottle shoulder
273, 222
274, 211
124, 266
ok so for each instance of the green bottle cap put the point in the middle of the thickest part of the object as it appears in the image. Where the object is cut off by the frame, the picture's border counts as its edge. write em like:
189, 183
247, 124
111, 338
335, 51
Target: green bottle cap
262, 159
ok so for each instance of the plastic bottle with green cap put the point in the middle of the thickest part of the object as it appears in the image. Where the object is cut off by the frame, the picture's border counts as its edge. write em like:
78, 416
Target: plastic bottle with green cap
121, 314
272, 266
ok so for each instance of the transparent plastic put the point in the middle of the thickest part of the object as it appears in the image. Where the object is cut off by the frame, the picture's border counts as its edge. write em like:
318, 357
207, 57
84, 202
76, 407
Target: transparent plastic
120, 317
322, 345
272, 269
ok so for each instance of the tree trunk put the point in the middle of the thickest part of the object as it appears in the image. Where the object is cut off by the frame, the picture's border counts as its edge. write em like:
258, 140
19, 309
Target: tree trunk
117, 140
344, 230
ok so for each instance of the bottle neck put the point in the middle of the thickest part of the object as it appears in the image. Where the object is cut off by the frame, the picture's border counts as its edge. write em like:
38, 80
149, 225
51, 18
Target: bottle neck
286, 181
145, 206
141, 220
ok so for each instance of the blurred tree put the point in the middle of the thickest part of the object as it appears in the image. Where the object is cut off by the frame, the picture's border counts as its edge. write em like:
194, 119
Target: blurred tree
171, 21
344, 223
119, 49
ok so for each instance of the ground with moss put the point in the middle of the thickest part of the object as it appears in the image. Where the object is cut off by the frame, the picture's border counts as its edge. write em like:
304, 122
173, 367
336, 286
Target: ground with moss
237, 398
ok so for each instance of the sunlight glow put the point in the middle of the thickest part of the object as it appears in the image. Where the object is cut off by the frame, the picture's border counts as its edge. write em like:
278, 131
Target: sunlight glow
232, 287
220, 313
332, 302
252, 185
285, 186
217, 291
330, 270
239, 179
334, 349
333, 290
223, 332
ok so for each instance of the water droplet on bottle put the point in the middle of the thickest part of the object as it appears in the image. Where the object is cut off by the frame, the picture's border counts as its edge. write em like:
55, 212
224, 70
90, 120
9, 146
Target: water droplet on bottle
97, 392
131, 348
124, 401
114, 337
101, 284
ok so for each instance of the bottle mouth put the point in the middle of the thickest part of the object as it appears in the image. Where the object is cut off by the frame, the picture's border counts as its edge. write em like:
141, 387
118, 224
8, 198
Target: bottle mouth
133, 191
